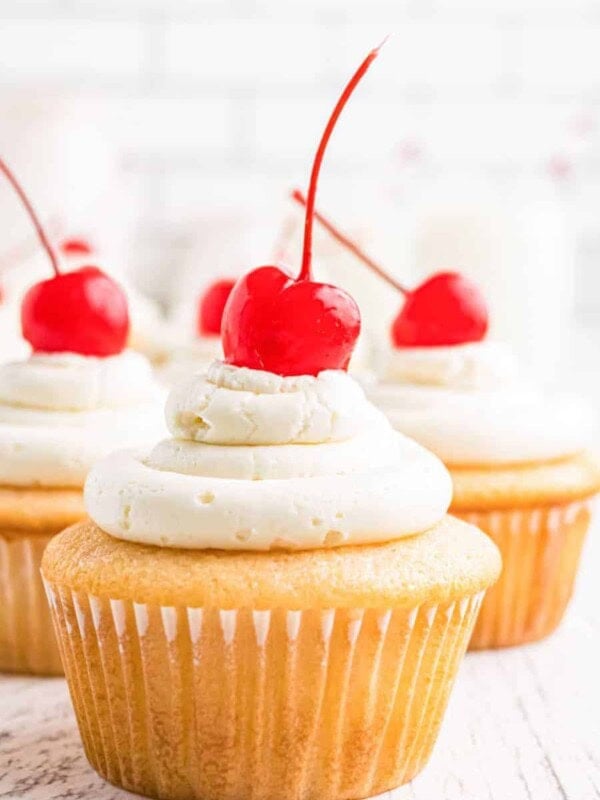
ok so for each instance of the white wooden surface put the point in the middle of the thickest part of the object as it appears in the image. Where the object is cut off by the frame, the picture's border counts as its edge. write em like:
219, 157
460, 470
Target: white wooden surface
523, 724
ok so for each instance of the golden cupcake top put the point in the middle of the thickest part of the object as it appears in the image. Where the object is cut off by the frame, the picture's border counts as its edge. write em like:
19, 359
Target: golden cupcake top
454, 560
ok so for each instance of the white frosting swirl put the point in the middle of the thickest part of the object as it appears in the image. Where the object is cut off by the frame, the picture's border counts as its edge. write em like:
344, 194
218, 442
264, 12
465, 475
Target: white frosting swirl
60, 413
469, 405
259, 461
70, 382
232, 405
477, 365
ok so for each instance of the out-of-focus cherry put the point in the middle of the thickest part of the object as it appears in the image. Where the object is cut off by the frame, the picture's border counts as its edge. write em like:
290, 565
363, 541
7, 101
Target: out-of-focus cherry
211, 305
445, 309
84, 311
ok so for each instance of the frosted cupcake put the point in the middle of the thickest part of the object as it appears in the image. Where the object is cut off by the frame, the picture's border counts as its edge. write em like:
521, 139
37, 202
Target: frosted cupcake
518, 457
279, 582
271, 603
198, 355
76, 398
520, 468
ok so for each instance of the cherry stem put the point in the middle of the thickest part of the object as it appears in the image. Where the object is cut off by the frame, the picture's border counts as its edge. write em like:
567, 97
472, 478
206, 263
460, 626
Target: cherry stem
305, 272
351, 245
33, 216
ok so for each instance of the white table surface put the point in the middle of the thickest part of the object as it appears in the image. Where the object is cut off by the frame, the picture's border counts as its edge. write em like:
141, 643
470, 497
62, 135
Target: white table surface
523, 724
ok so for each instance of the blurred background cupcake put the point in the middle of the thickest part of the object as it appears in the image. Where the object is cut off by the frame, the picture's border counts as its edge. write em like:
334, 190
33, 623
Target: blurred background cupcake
59, 413
202, 334
74, 395
521, 465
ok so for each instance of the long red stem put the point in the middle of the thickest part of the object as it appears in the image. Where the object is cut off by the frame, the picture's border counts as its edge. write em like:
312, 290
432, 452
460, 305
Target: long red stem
305, 272
34, 217
351, 245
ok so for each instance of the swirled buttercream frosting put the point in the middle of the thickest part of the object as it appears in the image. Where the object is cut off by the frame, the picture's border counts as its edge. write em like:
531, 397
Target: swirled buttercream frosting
257, 462
60, 413
470, 405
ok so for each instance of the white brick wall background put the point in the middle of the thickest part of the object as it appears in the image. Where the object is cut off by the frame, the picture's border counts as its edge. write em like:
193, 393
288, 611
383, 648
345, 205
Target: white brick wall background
219, 103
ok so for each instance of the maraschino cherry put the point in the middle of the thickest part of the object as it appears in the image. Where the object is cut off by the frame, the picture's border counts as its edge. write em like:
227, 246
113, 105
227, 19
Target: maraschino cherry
75, 247
83, 311
211, 306
446, 309
294, 326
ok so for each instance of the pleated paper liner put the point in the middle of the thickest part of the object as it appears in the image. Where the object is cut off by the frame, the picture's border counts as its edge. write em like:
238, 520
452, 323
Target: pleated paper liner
177, 703
540, 549
27, 641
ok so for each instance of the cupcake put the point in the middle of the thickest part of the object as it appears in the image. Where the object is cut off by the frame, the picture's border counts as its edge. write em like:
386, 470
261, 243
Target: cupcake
272, 602
518, 457
272, 598
76, 398
197, 355
520, 468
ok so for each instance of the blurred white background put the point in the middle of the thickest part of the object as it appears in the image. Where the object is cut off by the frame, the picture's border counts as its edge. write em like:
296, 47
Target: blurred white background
171, 132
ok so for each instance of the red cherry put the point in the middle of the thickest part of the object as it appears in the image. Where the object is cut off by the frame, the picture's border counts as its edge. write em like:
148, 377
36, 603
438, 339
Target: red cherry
446, 309
294, 326
83, 311
211, 305
75, 247
275, 323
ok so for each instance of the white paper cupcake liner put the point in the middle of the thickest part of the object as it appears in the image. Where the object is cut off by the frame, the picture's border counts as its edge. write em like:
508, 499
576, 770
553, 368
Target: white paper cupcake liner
27, 642
540, 550
221, 703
